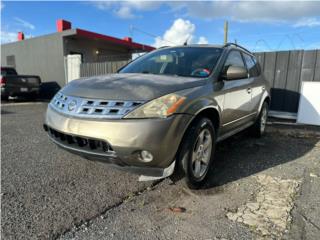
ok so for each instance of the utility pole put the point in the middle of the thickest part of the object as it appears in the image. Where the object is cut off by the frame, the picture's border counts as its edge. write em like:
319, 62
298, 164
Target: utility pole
225, 32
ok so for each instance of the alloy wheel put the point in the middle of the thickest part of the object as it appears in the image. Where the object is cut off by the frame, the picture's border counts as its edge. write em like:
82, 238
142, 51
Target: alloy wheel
202, 153
263, 120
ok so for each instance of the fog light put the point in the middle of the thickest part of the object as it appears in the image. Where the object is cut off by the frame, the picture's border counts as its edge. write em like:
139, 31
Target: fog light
146, 156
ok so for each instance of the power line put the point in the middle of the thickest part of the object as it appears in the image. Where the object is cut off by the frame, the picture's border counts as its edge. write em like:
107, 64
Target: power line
275, 34
133, 28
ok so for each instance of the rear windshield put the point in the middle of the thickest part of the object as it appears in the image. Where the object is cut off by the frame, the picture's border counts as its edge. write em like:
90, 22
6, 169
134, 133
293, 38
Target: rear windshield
183, 61
8, 71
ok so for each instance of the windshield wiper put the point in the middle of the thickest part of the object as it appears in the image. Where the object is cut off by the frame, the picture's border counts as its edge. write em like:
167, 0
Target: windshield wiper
166, 74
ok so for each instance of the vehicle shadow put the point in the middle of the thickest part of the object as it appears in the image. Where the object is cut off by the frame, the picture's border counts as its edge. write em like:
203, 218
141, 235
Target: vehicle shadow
5, 112
242, 155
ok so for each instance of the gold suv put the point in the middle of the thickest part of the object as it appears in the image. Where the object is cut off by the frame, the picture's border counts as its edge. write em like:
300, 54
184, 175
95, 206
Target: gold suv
164, 111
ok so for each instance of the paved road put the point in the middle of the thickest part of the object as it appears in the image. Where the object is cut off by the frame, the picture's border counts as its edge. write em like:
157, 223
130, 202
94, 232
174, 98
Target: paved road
47, 193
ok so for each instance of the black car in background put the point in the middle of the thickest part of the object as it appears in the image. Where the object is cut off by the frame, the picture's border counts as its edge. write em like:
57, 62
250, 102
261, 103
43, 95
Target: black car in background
15, 85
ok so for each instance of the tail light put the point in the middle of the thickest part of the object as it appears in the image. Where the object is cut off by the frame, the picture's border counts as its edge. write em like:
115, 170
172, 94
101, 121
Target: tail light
2, 81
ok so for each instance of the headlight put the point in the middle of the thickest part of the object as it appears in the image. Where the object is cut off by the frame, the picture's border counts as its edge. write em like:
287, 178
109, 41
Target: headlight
158, 108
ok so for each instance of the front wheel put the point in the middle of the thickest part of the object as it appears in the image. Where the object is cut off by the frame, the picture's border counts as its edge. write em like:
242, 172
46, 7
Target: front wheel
197, 152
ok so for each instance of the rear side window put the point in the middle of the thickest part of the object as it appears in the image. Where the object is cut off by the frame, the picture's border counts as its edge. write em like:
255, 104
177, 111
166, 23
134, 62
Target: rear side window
257, 64
252, 66
8, 72
234, 59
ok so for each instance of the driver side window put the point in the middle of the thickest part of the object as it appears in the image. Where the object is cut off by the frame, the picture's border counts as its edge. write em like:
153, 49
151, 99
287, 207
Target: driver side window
234, 59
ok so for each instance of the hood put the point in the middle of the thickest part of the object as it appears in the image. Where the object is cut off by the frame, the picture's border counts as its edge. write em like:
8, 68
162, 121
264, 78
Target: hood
129, 86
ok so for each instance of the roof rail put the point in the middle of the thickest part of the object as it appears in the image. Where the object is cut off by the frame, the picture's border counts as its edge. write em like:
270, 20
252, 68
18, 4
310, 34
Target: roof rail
163, 47
236, 45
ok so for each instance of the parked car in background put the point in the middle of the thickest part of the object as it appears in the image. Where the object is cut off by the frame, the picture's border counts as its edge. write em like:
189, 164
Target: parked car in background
164, 111
15, 85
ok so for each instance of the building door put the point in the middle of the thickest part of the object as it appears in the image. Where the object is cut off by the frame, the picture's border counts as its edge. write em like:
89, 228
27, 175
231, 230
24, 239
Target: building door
72, 66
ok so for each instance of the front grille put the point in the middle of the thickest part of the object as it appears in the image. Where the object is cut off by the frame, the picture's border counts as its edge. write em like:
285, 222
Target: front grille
92, 108
80, 143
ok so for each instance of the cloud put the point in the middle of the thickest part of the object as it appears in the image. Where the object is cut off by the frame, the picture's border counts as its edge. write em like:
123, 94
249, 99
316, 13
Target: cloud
24, 23
124, 12
127, 9
103, 5
142, 5
180, 31
202, 40
262, 11
10, 36
243, 11
7, 37
307, 22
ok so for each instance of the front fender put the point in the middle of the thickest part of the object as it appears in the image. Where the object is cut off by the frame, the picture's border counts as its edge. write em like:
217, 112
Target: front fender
265, 95
199, 105
200, 99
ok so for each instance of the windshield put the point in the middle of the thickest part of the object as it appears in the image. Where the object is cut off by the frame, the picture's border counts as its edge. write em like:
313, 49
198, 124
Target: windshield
183, 61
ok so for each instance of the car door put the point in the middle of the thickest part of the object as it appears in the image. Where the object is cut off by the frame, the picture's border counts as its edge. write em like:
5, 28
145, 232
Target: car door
237, 106
256, 86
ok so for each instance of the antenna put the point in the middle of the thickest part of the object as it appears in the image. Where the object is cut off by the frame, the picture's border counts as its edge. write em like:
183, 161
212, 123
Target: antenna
186, 42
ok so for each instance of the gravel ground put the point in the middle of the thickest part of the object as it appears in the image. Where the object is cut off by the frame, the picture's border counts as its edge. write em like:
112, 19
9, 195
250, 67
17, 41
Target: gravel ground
47, 193
279, 172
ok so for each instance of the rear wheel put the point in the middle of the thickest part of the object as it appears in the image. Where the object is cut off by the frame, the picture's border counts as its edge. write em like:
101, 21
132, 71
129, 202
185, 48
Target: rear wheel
4, 98
31, 97
197, 152
259, 128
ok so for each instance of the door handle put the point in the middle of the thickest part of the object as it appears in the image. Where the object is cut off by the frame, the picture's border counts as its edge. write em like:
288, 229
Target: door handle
249, 90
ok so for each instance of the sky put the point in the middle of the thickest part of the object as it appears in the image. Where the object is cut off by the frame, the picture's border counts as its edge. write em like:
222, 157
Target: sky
258, 26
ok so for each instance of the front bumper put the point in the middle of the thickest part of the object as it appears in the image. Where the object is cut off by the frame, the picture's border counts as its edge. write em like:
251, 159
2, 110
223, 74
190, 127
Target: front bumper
126, 137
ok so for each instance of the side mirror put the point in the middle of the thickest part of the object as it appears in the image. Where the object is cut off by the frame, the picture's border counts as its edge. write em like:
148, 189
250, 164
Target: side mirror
234, 73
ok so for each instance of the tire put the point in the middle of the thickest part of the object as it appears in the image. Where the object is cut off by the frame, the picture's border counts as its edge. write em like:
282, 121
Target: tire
4, 98
31, 97
197, 152
259, 127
